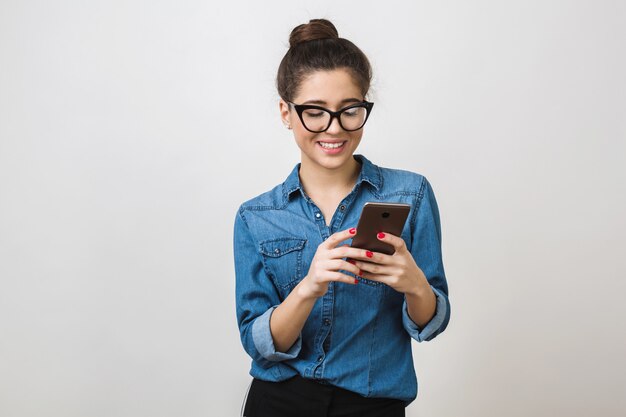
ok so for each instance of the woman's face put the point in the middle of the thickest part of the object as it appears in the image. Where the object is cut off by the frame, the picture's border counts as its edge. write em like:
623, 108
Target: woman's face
333, 90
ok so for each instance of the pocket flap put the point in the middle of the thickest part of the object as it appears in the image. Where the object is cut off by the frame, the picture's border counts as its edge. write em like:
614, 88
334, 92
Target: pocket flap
279, 247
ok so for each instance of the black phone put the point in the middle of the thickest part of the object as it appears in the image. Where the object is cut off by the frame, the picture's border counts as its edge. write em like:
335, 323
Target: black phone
380, 217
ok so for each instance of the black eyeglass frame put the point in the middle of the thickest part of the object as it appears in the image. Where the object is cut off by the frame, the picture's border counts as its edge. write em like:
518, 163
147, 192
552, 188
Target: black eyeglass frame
333, 114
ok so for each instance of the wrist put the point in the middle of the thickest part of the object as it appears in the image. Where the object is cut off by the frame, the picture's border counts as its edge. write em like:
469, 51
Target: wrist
302, 293
420, 291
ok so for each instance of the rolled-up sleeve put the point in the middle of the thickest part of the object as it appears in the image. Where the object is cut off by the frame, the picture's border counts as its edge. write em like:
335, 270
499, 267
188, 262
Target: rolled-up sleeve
256, 299
428, 332
426, 250
264, 342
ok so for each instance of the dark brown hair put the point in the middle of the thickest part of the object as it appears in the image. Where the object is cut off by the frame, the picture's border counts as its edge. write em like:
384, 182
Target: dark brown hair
317, 46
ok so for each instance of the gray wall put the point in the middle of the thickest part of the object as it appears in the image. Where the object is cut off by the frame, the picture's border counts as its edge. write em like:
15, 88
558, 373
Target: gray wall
130, 131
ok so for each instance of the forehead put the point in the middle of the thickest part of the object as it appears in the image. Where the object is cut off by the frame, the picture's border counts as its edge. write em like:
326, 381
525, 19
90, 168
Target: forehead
331, 88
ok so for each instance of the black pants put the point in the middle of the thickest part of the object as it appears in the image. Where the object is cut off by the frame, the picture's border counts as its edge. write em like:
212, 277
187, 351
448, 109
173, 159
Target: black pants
300, 397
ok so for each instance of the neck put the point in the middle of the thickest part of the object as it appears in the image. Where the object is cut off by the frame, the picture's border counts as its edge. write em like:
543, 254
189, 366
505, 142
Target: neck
316, 179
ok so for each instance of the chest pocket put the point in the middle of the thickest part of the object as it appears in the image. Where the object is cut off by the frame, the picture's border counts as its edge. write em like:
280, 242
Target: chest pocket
282, 259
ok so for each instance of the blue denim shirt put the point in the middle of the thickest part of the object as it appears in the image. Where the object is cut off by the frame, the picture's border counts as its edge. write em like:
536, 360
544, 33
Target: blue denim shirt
357, 337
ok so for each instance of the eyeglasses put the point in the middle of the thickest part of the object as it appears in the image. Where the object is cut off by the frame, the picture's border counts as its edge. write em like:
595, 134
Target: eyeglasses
317, 119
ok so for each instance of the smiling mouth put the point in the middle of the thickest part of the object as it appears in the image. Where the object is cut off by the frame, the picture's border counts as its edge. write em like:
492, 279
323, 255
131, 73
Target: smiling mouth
331, 145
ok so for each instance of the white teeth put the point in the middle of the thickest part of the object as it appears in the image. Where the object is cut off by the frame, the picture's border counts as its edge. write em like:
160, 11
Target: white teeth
331, 145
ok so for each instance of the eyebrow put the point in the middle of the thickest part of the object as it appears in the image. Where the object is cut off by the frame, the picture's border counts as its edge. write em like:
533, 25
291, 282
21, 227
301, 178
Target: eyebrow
346, 100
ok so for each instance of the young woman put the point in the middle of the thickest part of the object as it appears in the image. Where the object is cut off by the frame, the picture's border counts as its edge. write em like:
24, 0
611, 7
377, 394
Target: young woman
330, 337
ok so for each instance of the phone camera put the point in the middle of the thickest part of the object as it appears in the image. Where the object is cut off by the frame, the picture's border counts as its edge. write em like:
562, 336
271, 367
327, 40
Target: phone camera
385, 214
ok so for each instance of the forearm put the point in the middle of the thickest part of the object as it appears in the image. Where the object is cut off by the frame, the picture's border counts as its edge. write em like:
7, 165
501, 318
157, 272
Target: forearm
421, 304
288, 319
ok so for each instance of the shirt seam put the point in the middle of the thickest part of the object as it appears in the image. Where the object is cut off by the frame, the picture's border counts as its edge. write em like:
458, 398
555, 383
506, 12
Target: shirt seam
418, 202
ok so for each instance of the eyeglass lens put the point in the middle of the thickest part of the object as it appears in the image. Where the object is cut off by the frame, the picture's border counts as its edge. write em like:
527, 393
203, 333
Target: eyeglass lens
319, 120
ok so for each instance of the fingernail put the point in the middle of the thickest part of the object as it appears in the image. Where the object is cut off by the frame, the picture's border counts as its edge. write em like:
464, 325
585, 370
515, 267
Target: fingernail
352, 231
356, 281
352, 261
360, 272
381, 235
369, 254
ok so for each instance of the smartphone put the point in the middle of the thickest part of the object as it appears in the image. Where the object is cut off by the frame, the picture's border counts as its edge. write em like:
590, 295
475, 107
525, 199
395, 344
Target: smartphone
380, 217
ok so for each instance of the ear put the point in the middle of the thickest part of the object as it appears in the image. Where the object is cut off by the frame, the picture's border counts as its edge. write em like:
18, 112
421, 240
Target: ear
285, 114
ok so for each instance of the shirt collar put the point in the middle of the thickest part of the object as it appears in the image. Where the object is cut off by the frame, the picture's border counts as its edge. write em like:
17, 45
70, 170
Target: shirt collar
370, 173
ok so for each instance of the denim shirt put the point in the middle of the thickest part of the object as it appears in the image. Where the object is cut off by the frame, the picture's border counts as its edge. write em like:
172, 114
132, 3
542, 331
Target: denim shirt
357, 337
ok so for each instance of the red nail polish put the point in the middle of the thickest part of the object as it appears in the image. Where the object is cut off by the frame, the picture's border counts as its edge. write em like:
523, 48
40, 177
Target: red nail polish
352, 231
356, 281
352, 261
369, 254
381, 235
360, 272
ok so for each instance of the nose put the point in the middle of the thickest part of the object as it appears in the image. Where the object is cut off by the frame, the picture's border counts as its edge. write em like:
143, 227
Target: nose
334, 127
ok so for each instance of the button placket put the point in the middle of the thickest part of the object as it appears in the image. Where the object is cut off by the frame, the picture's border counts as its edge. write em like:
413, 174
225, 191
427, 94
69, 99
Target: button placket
341, 212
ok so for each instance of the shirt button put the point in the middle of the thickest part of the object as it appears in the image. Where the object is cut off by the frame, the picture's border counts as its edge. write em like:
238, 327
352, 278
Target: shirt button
320, 358
318, 215
277, 251
342, 207
327, 322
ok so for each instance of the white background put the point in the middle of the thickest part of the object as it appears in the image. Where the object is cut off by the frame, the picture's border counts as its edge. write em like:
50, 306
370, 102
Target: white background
130, 131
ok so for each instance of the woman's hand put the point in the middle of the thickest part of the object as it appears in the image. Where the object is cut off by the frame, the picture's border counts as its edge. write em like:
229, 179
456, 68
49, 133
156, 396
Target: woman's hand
326, 264
399, 271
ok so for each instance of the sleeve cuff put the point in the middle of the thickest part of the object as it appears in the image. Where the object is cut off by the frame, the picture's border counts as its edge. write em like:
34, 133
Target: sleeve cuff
432, 326
264, 343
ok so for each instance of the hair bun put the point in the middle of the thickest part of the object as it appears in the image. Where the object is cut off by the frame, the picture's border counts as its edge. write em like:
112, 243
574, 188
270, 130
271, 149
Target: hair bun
315, 29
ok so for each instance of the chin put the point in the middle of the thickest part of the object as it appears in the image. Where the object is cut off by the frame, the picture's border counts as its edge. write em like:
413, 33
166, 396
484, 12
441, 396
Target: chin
333, 162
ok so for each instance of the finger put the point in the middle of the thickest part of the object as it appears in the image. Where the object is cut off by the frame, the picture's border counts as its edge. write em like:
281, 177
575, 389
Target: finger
375, 257
336, 238
373, 268
338, 277
337, 264
395, 241
357, 254
346, 251
384, 279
